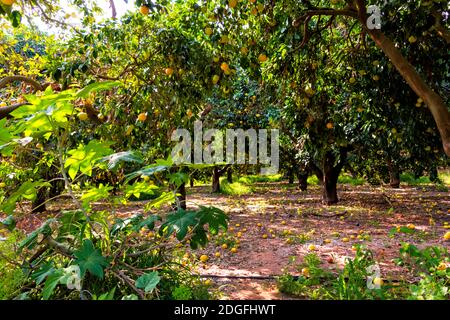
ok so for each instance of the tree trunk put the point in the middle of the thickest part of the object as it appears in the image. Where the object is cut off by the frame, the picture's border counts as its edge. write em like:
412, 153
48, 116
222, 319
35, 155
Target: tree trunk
230, 175
290, 175
330, 173
394, 175
434, 101
434, 176
216, 180
302, 181
191, 182
330, 188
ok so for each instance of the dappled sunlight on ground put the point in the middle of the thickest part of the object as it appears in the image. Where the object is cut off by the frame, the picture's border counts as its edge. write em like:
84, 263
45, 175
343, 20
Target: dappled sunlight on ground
285, 212
277, 222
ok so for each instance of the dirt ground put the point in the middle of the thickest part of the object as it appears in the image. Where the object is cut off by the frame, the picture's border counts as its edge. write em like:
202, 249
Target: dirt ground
286, 212
280, 208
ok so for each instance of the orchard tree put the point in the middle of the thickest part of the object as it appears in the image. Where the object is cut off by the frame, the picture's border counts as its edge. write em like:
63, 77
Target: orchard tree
414, 29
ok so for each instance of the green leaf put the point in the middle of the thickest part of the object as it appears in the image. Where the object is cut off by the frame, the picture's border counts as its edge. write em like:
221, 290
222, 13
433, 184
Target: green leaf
50, 284
44, 271
126, 156
165, 197
30, 241
5, 135
97, 86
199, 238
148, 281
178, 178
84, 157
28, 190
9, 222
147, 171
214, 217
130, 297
91, 259
108, 295
15, 17
121, 224
179, 222
139, 188
95, 194
149, 222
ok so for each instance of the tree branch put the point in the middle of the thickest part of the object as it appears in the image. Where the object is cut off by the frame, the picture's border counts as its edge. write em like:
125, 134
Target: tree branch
5, 111
36, 85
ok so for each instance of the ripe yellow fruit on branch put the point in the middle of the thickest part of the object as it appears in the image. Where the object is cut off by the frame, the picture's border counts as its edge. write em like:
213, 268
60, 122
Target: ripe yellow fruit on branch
204, 258
208, 31
412, 39
142, 117
233, 250
262, 58
244, 51
8, 2
224, 39
329, 125
232, 3
215, 79
224, 246
311, 247
309, 91
144, 10
168, 71
224, 66
2, 185
83, 116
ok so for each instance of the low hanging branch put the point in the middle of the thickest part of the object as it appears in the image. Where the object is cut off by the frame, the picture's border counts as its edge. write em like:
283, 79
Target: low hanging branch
35, 84
5, 111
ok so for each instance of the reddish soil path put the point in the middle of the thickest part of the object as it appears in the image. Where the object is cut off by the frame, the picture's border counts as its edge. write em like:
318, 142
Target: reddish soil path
281, 209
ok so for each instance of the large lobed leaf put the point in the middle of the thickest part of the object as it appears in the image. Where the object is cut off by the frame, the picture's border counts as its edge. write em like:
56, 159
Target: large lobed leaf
89, 258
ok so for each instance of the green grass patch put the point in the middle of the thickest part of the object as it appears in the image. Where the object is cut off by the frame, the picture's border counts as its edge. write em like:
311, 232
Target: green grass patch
348, 179
411, 180
313, 180
12, 276
255, 178
444, 176
235, 188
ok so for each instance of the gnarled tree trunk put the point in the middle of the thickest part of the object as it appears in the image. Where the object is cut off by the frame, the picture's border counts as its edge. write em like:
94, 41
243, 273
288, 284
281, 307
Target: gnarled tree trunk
216, 180
302, 180
394, 175
230, 175
329, 195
